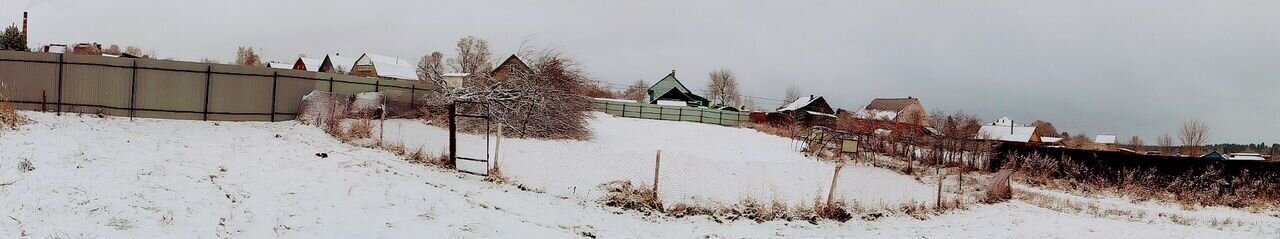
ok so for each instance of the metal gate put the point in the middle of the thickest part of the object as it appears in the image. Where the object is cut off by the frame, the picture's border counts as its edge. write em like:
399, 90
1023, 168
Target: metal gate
468, 160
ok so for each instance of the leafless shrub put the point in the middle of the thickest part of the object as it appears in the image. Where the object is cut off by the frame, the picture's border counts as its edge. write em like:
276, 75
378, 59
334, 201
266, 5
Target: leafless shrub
324, 110
543, 96
360, 128
627, 196
9, 117
26, 166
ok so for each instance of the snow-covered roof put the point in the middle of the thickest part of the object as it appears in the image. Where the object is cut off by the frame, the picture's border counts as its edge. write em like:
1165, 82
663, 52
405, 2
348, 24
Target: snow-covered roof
280, 65
1244, 156
389, 67
1105, 139
456, 74
876, 114
312, 64
616, 100
346, 63
798, 103
381, 59
397, 71
1003, 121
820, 113
1047, 139
1006, 133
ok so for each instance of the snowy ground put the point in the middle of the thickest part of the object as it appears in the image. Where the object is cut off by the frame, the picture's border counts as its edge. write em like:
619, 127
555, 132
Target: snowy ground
113, 178
701, 163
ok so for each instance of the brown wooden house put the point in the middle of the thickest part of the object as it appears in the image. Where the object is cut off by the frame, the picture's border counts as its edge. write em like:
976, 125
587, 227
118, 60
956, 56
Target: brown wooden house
905, 110
808, 111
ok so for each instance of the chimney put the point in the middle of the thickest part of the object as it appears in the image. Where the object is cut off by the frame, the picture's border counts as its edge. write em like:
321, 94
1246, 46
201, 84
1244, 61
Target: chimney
673, 72
25, 35
810, 97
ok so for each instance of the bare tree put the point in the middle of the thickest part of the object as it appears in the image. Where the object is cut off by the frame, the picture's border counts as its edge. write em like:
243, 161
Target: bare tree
1136, 143
793, 93
1193, 135
133, 50
1166, 144
636, 91
431, 67
723, 88
1044, 128
473, 56
245, 56
113, 49
748, 104
547, 100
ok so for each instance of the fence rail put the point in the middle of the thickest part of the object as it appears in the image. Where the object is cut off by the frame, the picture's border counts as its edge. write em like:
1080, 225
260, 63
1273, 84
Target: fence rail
175, 90
673, 113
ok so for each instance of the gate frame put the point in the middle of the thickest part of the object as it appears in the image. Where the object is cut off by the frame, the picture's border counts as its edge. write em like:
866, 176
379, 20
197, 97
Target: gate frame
453, 135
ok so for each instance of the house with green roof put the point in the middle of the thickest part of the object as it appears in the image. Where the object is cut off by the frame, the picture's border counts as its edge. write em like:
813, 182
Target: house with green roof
669, 89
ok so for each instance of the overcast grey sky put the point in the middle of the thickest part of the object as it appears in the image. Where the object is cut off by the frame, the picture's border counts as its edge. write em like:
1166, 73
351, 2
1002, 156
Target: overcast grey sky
1122, 67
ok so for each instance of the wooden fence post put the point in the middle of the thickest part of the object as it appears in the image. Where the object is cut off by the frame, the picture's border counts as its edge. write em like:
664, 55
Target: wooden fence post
133, 89
657, 165
497, 145
208, 78
60, 63
831, 193
275, 76
938, 170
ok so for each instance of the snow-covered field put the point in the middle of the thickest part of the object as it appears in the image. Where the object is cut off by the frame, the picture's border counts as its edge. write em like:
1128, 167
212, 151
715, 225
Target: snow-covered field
115, 178
701, 163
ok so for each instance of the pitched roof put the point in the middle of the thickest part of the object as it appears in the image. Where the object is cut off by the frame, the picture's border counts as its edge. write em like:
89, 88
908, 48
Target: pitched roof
280, 65
803, 102
389, 67
667, 84
891, 104
1006, 133
338, 61
511, 61
309, 64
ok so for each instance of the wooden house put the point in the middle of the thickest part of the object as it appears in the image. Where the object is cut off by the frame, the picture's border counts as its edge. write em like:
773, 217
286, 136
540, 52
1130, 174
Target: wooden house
670, 89
809, 111
905, 110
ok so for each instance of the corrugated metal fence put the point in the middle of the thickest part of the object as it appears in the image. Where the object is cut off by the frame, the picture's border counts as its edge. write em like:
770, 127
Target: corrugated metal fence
175, 90
674, 113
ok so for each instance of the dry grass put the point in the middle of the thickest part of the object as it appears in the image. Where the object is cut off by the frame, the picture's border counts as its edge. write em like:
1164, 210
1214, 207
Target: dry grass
9, 117
1207, 186
361, 128
496, 176
785, 131
1135, 215
625, 195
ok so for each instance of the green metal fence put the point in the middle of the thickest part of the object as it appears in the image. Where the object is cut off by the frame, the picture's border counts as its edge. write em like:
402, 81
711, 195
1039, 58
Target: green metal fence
673, 113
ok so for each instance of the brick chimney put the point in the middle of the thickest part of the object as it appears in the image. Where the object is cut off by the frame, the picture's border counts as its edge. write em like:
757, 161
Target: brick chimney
25, 35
